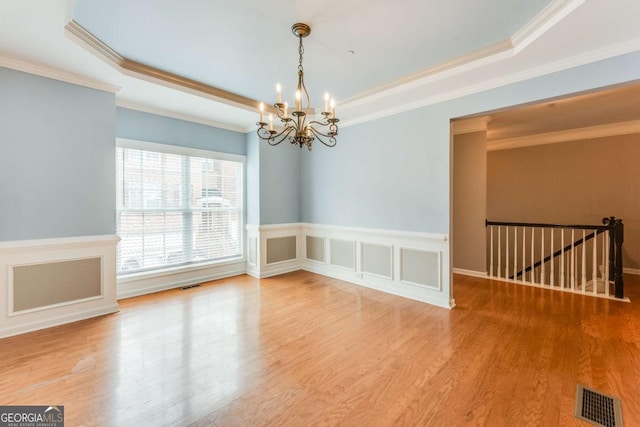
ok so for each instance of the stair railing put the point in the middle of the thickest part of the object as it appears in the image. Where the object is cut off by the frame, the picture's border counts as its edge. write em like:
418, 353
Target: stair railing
538, 254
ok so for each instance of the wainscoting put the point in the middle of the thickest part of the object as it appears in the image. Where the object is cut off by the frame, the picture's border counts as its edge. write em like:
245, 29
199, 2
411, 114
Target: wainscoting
409, 264
145, 283
48, 282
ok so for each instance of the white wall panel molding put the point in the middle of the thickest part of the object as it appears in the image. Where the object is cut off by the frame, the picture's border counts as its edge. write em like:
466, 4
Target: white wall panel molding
437, 293
27, 253
258, 238
347, 243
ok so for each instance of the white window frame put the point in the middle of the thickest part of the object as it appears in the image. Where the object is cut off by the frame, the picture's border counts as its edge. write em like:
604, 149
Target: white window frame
192, 152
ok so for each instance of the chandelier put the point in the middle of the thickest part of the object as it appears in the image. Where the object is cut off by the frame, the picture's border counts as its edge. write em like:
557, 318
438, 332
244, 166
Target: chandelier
300, 127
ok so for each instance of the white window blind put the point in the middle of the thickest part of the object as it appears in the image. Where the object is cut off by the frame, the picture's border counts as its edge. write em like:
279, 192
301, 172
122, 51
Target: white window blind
175, 209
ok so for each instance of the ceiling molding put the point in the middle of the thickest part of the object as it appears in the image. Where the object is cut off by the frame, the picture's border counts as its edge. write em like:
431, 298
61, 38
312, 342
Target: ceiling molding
530, 73
55, 74
591, 132
536, 27
180, 116
542, 22
441, 71
474, 124
155, 75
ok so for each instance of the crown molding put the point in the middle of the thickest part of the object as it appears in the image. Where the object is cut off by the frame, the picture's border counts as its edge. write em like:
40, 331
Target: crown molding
180, 116
542, 22
591, 132
530, 73
536, 27
55, 74
474, 124
154, 75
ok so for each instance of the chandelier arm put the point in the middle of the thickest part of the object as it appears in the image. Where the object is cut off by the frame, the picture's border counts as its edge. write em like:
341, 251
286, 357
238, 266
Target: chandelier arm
323, 123
321, 137
274, 138
333, 129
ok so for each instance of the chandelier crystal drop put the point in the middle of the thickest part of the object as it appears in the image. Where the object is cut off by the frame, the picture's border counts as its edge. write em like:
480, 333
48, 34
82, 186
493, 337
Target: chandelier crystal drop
299, 127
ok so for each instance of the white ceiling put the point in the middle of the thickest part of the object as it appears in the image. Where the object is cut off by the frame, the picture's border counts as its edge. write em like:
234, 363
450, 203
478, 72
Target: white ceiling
407, 53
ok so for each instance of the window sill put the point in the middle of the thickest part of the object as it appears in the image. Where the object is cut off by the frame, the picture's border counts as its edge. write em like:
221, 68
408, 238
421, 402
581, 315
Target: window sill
133, 277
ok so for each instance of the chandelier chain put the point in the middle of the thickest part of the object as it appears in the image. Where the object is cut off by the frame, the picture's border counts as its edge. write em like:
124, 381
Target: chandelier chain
300, 52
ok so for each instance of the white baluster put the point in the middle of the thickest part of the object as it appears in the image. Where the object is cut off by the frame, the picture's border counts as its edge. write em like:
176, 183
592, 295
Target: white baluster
524, 239
515, 253
531, 272
491, 255
573, 260
594, 266
583, 282
506, 258
499, 251
542, 258
562, 257
552, 279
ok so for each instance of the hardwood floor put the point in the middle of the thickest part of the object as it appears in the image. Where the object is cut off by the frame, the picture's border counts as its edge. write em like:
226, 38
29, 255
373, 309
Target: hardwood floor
302, 349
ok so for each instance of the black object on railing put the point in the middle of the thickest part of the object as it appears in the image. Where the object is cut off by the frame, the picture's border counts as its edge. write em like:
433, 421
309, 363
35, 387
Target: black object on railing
616, 238
557, 253
616, 228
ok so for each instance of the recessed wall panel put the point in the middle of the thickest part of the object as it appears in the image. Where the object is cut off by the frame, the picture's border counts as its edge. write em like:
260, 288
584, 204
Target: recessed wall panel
343, 253
41, 285
420, 267
377, 259
315, 248
281, 249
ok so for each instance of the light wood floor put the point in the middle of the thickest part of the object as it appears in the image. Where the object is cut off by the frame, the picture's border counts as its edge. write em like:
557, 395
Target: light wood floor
302, 349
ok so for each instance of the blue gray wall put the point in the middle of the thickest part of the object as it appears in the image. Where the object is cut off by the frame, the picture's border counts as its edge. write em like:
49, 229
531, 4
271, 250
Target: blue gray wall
253, 178
279, 183
133, 124
394, 172
57, 158
273, 182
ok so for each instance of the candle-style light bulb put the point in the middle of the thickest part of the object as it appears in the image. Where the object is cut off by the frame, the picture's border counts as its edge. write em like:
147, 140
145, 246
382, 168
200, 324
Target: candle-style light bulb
279, 92
298, 101
270, 121
333, 109
261, 112
286, 107
326, 102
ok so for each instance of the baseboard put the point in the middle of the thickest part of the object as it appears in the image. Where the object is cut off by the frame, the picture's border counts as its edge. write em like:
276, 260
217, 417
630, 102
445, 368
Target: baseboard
276, 270
414, 293
634, 271
164, 286
472, 273
57, 321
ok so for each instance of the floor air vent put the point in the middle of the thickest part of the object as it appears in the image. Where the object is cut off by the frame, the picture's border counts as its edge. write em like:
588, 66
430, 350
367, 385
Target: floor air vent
184, 288
597, 408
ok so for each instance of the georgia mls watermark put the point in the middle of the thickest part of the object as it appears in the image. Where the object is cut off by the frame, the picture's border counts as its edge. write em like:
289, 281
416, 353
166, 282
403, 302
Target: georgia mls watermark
32, 416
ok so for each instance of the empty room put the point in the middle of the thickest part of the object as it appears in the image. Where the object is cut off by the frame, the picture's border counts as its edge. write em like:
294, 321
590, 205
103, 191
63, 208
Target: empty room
298, 213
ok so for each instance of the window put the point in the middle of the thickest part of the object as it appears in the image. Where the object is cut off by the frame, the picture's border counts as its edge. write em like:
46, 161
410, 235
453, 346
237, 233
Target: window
176, 206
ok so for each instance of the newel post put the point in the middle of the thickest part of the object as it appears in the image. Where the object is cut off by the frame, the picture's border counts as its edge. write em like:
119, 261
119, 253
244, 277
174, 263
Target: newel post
619, 238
